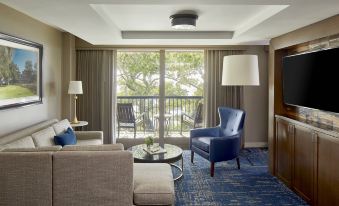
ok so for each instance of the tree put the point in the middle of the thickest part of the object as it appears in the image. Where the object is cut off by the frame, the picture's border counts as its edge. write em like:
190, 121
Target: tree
27, 73
138, 73
14, 73
6, 54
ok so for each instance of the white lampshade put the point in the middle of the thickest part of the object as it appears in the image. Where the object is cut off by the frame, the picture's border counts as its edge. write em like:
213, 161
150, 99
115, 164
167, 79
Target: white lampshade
75, 87
240, 70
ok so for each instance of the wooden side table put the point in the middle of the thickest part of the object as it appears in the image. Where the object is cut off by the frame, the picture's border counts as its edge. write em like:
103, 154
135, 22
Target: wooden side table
80, 124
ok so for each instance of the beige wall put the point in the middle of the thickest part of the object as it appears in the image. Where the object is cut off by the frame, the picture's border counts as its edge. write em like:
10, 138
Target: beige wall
256, 102
20, 25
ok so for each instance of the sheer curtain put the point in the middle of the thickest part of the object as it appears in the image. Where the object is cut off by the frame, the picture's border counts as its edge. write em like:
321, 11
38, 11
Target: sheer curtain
96, 70
215, 94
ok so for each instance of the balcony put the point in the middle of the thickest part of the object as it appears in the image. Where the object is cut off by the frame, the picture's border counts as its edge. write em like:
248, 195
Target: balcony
148, 107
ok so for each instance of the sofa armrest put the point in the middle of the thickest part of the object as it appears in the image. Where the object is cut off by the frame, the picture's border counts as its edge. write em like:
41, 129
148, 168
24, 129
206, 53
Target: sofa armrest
86, 135
93, 178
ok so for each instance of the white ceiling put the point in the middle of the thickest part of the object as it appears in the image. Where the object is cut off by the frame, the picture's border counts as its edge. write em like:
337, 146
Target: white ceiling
102, 22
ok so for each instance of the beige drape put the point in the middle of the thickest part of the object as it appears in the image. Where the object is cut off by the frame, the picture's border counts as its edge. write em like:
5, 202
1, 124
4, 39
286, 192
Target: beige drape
215, 94
96, 71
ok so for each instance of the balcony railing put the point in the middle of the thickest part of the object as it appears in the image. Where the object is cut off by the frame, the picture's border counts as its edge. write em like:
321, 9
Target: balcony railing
174, 107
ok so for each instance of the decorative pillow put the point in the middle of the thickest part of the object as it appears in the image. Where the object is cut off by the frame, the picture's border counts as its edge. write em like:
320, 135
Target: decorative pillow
44, 138
61, 126
67, 138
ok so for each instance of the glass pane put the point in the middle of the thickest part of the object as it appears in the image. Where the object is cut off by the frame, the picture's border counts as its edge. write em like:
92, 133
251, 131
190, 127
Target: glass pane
184, 85
138, 84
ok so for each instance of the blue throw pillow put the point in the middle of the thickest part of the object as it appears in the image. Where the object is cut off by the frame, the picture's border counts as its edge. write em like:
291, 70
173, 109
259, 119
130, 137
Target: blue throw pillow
67, 138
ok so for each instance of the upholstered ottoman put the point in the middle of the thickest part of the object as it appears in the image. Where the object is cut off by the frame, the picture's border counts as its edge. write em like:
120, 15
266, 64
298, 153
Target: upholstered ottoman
153, 184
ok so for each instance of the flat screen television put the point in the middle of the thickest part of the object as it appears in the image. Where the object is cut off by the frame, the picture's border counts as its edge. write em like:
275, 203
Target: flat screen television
312, 80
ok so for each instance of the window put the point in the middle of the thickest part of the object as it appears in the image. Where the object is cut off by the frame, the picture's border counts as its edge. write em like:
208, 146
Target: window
139, 83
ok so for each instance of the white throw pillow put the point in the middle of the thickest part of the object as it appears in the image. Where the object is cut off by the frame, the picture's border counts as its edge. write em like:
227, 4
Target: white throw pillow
61, 126
44, 137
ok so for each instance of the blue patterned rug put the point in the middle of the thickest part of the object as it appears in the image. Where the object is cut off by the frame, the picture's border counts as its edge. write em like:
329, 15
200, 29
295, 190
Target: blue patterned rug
251, 185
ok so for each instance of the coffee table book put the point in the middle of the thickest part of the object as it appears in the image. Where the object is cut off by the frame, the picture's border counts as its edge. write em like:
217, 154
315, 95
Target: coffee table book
155, 150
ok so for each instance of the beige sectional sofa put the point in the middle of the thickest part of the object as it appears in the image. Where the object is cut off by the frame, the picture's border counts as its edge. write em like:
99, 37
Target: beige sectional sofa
77, 175
42, 134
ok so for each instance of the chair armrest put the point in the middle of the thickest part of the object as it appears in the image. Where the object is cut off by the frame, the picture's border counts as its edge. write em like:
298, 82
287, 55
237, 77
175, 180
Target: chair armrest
225, 148
205, 132
186, 115
140, 115
86, 135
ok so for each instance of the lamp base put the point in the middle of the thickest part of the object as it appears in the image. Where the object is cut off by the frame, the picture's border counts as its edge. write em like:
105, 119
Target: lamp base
75, 121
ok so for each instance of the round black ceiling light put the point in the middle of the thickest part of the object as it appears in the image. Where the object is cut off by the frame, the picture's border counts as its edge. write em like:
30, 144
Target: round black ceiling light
184, 21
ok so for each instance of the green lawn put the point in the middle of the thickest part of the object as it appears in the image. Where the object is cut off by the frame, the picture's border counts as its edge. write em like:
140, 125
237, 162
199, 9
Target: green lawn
14, 91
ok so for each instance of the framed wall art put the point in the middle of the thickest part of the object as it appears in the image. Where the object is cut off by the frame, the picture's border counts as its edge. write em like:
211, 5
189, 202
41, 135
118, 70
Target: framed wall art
20, 72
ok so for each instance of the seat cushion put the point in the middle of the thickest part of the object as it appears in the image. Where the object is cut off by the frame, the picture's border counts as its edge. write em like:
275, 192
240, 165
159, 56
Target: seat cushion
44, 138
67, 138
26, 142
89, 142
61, 126
104, 147
153, 184
202, 143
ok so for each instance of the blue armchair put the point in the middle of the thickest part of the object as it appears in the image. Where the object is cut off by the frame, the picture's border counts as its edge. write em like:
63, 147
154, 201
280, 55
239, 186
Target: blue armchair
219, 143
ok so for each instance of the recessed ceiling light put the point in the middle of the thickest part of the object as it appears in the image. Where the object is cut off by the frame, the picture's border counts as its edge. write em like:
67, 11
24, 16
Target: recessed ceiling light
183, 21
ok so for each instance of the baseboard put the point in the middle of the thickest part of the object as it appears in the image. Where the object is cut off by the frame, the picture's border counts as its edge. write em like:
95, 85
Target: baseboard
256, 144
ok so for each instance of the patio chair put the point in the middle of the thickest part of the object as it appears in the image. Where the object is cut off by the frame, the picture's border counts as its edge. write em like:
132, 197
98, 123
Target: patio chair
194, 121
126, 118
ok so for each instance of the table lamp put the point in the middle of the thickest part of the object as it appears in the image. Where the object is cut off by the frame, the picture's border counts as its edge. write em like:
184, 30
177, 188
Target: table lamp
75, 87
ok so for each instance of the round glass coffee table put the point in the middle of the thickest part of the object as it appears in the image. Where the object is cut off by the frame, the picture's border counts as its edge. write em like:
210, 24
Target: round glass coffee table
173, 154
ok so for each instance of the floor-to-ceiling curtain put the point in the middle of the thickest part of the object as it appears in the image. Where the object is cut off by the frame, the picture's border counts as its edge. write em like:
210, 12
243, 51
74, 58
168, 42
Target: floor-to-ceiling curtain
215, 94
96, 70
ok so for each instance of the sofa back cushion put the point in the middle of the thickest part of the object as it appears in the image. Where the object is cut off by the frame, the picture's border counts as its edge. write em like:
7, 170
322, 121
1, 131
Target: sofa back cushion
61, 126
26, 132
36, 149
44, 137
102, 178
26, 142
26, 178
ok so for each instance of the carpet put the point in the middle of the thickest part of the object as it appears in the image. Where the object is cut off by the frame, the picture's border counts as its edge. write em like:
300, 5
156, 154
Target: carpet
251, 185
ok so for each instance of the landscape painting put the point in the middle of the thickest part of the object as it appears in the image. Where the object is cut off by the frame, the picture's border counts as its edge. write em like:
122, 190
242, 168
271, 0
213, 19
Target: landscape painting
20, 72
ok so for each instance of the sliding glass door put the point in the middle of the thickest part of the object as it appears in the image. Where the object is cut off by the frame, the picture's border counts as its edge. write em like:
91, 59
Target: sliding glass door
164, 89
184, 85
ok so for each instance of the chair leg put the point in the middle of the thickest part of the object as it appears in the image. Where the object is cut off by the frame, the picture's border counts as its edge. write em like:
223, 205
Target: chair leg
118, 132
135, 131
192, 156
212, 169
238, 162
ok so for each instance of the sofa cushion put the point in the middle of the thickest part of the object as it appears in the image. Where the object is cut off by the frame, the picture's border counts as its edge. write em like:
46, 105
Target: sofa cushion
25, 178
67, 138
44, 137
61, 126
26, 142
153, 184
89, 142
106, 147
202, 143
36, 149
